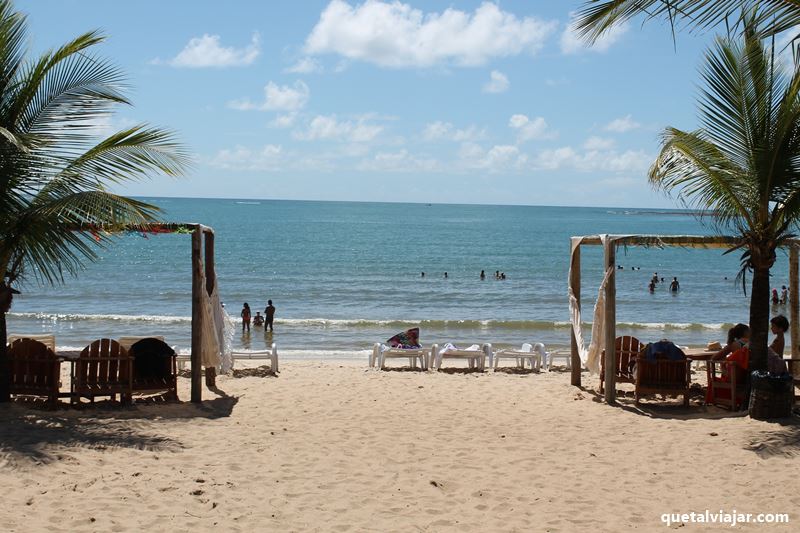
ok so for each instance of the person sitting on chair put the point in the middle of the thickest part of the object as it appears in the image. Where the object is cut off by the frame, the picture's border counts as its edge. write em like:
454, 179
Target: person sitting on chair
738, 337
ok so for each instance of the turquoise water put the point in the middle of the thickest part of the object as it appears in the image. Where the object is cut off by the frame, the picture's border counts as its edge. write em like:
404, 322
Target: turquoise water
344, 275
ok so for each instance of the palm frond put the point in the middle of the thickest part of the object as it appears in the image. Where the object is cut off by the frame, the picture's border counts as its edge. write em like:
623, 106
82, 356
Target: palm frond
596, 17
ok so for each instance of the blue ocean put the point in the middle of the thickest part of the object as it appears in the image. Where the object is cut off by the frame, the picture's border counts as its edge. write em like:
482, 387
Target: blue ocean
344, 275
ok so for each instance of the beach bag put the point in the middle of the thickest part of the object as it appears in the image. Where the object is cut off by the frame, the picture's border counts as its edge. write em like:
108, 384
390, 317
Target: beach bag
408, 339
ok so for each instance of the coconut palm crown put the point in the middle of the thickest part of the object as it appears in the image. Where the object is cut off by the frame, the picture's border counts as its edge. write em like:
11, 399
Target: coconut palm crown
742, 166
55, 169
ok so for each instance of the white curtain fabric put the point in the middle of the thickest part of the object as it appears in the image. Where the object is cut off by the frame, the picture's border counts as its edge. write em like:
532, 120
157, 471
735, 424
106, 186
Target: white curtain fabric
212, 336
590, 357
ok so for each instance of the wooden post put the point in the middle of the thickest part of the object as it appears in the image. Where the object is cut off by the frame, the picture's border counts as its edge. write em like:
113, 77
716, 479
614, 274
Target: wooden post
794, 301
197, 317
211, 372
610, 316
575, 286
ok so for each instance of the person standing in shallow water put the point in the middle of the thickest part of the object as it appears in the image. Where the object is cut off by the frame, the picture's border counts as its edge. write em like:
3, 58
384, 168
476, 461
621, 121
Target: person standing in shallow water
269, 315
245, 317
483, 275
674, 286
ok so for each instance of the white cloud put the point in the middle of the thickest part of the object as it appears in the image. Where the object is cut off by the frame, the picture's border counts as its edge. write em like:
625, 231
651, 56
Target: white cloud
306, 65
397, 35
530, 129
498, 158
328, 127
400, 161
269, 157
571, 43
498, 83
277, 98
439, 130
284, 121
598, 143
623, 124
207, 51
630, 161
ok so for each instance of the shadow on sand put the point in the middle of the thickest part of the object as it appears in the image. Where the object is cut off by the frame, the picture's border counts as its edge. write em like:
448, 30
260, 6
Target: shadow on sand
782, 439
38, 436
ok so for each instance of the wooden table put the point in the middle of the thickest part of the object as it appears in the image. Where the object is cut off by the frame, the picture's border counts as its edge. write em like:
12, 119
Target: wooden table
699, 354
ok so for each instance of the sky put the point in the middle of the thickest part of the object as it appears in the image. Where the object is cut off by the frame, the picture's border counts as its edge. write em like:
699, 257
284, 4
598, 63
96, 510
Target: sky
411, 101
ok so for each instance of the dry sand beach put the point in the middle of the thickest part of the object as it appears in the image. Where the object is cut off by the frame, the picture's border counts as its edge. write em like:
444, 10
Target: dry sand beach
337, 447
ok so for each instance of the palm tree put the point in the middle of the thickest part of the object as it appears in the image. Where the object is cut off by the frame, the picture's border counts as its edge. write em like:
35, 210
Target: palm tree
743, 165
55, 205
596, 17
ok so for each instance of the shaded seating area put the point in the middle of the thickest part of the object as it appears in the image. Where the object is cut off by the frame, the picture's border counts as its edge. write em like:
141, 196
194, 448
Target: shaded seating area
104, 368
35, 370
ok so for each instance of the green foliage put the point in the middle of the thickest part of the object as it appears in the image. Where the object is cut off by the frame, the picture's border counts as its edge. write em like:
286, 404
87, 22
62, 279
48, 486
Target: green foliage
596, 17
54, 169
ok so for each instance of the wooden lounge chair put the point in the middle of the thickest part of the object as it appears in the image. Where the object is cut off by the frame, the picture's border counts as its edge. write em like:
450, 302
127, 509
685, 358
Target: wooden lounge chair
475, 358
662, 376
728, 384
154, 368
528, 352
626, 350
103, 368
46, 339
127, 342
35, 370
380, 353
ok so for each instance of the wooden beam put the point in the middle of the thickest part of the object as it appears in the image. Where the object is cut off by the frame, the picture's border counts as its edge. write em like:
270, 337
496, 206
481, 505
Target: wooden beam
610, 316
794, 302
575, 286
197, 317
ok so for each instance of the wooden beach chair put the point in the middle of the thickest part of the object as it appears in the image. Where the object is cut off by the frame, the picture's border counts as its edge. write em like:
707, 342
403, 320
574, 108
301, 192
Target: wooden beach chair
154, 368
103, 368
35, 370
48, 340
127, 342
528, 352
662, 376
728, 384
626, 350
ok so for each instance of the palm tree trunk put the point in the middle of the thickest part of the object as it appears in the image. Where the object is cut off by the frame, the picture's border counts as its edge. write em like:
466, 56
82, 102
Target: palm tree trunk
759, 318
5, 371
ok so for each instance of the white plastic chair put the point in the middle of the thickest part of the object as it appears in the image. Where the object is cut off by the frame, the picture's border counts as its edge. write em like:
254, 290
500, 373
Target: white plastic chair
533, 353
475, 358
381, 352
566, 355
271, 354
